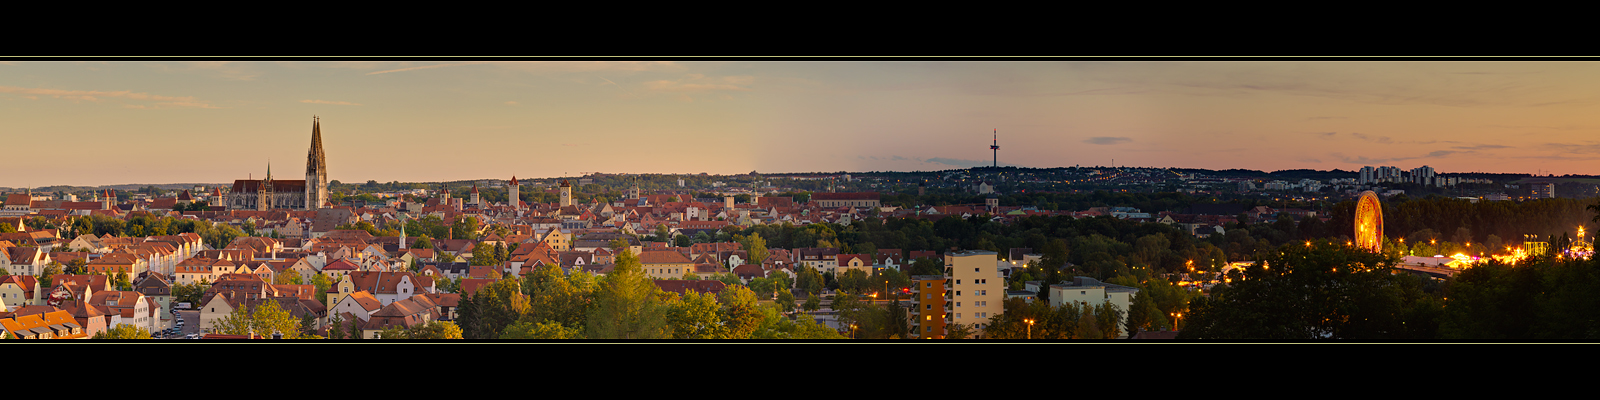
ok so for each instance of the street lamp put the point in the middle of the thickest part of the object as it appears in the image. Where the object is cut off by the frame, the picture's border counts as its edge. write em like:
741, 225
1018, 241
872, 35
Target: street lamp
1175, 317
1030, 327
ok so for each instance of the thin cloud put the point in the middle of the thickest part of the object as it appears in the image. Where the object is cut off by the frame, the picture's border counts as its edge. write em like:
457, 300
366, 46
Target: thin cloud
1325, 135
1574, 148
962, 163
511, 103
1388, 140
1379, 139
1481, 147
1365, 160
624, 90
671, 86
1107, 140
341, 103
426, 67
97, 96
700, 83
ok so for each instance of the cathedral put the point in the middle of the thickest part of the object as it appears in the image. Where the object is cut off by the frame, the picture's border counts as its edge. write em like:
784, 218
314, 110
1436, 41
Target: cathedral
267, 194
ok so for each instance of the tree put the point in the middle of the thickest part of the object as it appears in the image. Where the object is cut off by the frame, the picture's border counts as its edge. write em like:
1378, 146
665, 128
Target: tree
738, 313
542, 330
1323, 291
756, 247
809, 280
626, 306
78, 266
322, 285
958, 331
729, 279
188, 293
336, 327
786, 300
854, 281
308, 325
120, 280
484, 314
662, 233
422, 242
808, 328
558, 298
266, 318
434, 330
813, 302
49, 271
123, 331
695, 317
355, 329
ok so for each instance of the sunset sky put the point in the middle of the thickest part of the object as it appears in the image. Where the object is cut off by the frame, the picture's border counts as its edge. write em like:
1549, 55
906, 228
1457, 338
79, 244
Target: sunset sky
101, 123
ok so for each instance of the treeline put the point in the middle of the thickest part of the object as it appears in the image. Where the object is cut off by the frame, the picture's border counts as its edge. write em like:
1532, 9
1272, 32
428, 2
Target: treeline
1507, 220
624, 304
1332, 291
214, 235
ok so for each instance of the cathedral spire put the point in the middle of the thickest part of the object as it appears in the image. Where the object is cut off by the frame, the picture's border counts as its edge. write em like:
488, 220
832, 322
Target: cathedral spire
316, 169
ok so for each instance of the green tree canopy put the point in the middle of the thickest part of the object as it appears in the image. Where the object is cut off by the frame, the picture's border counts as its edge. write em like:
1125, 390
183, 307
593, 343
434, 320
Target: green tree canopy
123, 331
626, 305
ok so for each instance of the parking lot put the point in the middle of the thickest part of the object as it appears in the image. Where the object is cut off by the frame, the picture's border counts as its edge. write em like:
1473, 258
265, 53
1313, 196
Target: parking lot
183, 324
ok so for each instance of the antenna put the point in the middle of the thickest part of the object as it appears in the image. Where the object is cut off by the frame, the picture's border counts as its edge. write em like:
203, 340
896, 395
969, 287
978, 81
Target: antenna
996, 148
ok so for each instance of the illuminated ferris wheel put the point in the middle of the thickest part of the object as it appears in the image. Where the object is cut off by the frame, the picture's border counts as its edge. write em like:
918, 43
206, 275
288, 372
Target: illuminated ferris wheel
1369, 222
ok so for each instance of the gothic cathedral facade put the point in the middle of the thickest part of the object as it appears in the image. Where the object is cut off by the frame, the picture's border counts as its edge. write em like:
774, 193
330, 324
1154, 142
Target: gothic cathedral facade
267, 194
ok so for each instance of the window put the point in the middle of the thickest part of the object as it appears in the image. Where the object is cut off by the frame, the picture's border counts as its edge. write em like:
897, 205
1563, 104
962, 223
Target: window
1083, 292
927, 307
958, 281
974, 270
958, 304
929, 285
958, 292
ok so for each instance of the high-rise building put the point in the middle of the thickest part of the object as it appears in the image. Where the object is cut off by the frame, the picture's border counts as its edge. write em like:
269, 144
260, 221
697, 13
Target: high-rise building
928, 299
1544, 190
1423, 176
1368, 176
977, 289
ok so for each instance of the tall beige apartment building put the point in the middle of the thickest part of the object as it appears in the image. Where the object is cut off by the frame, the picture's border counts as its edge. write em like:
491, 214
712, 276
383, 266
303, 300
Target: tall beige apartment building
975, 288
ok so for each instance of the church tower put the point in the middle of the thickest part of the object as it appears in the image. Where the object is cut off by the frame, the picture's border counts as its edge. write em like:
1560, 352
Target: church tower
474, 195
264, 192
316, 169
566, 193
516, 202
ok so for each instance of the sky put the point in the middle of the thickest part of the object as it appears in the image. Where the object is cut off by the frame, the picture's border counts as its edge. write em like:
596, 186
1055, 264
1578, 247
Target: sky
91, 123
